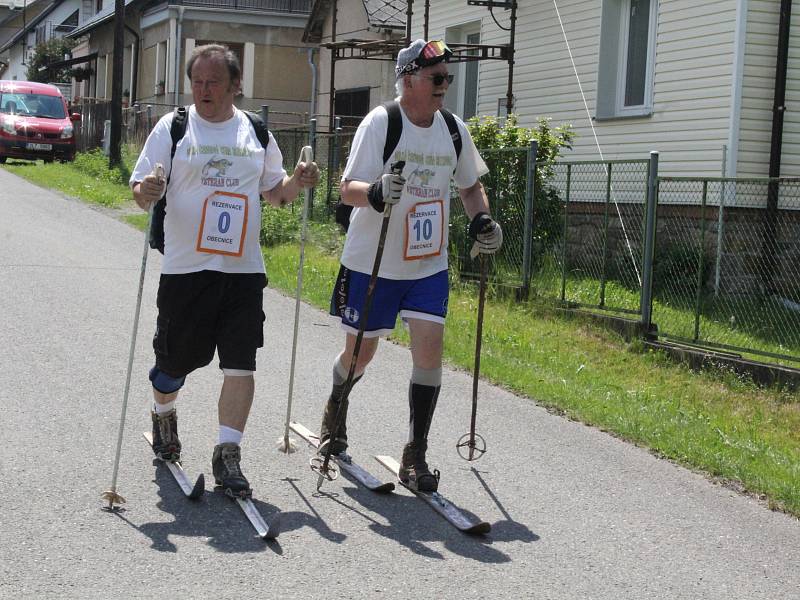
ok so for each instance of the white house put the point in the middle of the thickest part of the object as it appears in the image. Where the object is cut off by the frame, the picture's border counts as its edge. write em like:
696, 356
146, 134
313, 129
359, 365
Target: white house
35, 22
687, 78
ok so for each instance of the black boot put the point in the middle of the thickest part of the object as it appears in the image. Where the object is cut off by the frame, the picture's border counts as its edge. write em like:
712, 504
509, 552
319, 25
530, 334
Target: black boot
166, 444
414, 471
329, 422
227, 472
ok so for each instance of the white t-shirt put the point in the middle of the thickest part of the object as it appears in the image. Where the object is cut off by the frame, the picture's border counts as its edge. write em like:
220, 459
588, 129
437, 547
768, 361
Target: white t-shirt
213, 213
416, 241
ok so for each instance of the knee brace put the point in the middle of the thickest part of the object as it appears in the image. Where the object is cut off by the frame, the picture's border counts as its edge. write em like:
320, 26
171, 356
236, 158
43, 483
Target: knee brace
165, 383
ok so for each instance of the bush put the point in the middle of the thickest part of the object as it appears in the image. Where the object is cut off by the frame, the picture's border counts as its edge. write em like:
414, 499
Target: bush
280, 225
95, 163
503, 145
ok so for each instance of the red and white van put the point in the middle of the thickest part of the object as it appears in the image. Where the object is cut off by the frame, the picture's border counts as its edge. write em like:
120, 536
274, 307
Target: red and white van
35, 122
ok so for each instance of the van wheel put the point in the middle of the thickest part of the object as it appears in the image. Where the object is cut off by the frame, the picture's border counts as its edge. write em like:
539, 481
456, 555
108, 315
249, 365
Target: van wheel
47, 161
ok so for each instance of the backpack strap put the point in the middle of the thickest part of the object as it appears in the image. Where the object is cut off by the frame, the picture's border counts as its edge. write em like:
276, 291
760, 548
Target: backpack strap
178, 128
455, 134
394, 130
176, 131
262, 133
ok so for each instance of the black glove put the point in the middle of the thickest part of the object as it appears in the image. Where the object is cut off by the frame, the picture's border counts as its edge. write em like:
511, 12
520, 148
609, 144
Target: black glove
486, 232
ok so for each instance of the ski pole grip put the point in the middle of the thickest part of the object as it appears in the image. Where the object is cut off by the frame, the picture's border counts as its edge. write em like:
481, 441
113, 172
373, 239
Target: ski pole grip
306, 155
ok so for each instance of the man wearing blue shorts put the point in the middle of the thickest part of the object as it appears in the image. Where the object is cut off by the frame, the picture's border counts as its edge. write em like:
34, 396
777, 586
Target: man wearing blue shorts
412, 280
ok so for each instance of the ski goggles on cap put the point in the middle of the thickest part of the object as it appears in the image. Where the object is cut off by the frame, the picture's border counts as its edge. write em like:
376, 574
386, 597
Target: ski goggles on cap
432, 52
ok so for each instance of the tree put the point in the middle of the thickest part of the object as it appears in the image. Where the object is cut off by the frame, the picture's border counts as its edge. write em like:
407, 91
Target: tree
45, 53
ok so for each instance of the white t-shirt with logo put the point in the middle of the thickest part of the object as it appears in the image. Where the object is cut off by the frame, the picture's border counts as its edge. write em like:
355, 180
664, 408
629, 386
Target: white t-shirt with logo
416, 241
213, 213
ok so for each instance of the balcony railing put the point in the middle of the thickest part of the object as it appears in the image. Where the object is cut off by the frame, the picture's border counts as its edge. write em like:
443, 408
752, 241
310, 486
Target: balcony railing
287, 6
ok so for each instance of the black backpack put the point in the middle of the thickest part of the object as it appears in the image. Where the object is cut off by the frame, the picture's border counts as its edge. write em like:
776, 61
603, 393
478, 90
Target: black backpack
177, 131
393, 132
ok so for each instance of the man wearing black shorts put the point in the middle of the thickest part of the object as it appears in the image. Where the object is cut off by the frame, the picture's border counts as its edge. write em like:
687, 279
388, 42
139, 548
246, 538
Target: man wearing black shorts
211, 289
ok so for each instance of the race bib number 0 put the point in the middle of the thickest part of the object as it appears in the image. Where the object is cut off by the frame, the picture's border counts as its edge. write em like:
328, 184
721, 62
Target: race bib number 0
424, 230
224, 224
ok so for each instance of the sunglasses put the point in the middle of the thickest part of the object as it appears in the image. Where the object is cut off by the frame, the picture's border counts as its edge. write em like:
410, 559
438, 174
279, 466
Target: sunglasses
438, 79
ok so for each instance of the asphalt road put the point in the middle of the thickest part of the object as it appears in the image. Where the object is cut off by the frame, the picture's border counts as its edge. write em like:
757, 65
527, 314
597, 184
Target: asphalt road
575, 513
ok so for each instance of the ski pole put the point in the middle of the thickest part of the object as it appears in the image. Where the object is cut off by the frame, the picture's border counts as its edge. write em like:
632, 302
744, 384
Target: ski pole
397, 169
111, 495
474, 442
286, 444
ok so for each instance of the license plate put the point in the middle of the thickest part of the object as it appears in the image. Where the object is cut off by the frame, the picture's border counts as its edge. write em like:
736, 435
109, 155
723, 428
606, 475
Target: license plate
40, 146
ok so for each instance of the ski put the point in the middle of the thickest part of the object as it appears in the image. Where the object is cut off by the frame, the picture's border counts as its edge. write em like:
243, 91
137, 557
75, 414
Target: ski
193, 492
265, 531
345, 461
440, 504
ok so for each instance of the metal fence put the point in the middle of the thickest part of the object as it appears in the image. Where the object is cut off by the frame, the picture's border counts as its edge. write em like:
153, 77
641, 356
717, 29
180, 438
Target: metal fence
727, 264
724, 267
594, 257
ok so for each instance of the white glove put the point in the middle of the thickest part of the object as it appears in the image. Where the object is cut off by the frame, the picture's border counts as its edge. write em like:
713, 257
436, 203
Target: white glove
392, 186
386, 190
487, 234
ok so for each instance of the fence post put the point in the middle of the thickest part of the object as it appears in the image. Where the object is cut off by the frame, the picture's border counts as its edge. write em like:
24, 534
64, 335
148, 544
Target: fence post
700, 262
566, 230
720, 220
265, 115
312, 141
604, 273
149, 110
646, 301
336, 141
530, 190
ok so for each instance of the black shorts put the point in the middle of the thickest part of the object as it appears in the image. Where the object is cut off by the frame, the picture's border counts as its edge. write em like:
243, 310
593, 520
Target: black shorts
206, 311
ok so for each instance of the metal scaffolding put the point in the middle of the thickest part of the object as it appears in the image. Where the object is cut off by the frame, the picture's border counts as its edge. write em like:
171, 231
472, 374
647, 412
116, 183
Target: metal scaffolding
387, 50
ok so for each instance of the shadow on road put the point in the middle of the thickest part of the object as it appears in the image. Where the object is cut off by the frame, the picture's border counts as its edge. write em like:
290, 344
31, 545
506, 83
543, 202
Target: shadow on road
508, 530
411, 523
215, 517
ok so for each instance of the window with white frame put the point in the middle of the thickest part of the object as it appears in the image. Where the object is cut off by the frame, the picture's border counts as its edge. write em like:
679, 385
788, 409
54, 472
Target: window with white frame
627, 58
462, 96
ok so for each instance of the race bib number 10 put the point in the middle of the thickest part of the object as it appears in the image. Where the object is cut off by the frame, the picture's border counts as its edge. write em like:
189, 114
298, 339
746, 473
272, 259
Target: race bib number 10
424, 230
224, 224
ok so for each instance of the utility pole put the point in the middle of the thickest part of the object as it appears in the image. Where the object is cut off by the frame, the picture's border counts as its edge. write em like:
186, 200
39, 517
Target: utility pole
115, 154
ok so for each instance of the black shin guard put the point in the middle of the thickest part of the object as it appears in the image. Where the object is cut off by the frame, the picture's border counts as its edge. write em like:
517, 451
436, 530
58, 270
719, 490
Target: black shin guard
422, 404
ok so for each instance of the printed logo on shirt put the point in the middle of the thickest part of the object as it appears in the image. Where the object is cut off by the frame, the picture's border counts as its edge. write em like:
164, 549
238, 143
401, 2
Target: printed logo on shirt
418, 182
214, 173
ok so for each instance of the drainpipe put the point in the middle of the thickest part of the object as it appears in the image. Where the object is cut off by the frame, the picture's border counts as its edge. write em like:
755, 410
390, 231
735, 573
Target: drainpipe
313, 67
134, 65
178, 70
768, 247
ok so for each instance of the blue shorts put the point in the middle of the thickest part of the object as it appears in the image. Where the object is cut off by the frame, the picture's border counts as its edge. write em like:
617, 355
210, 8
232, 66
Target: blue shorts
424, 298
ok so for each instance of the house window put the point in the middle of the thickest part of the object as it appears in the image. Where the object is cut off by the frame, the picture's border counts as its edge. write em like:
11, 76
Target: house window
627, 58
351, 105
462, 96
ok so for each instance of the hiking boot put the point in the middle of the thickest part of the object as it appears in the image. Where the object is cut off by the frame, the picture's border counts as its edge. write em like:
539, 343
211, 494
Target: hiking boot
166, 444
328, 423
227, 473
414, 471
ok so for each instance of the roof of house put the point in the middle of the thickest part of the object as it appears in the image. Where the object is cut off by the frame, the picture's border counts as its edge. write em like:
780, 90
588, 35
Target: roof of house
31, 24
104, 16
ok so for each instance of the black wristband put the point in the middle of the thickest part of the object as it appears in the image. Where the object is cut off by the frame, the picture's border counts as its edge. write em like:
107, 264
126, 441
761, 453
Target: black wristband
375, 196
477, 224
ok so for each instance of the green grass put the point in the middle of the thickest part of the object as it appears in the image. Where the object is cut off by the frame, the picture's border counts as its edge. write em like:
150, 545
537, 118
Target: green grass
715, 423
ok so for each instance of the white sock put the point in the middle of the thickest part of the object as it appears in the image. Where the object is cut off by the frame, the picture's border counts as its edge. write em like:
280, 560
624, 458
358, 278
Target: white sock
229, 435
160, 409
